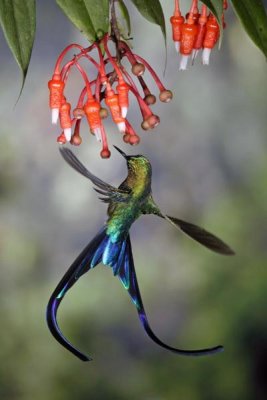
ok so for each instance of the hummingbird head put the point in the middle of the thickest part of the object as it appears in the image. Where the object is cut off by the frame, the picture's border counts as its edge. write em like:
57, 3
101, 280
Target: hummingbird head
136, 161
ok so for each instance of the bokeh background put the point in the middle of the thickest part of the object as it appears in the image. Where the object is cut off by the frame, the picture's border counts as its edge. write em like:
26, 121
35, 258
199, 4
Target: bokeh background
209, 167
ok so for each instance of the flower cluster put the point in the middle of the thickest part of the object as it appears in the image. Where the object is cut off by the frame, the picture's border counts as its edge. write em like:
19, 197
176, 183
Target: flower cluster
198, 30
109, 72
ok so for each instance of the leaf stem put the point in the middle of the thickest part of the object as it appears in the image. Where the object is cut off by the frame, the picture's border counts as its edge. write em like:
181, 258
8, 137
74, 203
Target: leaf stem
115, 32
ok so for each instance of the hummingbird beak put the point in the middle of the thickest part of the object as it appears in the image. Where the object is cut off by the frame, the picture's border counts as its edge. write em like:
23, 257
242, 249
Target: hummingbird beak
121, 152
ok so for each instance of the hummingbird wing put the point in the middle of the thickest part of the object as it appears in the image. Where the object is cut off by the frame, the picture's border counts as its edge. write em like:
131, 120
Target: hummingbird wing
128, 278
202, 236
110, 192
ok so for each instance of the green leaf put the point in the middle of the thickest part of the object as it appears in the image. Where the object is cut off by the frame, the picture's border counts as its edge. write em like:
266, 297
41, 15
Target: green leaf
152, 11
17, 19
91, 17
216, 7
125, 14
252, 15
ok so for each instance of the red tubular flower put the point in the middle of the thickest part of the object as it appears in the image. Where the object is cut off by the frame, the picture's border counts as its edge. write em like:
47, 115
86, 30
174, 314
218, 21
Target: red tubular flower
123, 91
177, 21
210, 39
91, 109
189, 33
65, 119
112, 101
56, 87
202, 20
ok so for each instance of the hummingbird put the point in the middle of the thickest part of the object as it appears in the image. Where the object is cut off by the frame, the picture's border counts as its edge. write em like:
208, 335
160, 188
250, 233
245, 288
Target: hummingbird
112, 245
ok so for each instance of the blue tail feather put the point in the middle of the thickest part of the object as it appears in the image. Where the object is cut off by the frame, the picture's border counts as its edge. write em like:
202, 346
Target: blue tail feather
111, 252
135, 295
120, 260
97, 257
99, 249
118, 256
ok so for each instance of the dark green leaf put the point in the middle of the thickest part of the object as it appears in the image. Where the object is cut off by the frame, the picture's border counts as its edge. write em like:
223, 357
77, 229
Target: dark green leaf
216, 7
252, 15
17, 19
152, 11
91, 17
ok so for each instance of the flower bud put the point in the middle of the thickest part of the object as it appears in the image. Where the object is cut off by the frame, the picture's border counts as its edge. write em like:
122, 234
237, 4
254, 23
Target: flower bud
153, 121
145, 125
76, 140
126, 138
134, 139
138, 69
165, 96
103, 113
78, 113
150, 99
105, 153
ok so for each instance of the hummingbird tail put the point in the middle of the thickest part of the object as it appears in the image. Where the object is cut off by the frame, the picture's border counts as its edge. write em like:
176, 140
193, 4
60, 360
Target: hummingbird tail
80, 266
118, 256
202, 236
127, 275
100, 249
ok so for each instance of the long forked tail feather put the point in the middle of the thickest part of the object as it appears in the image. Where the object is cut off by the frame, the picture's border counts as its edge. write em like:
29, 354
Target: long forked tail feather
202, 236
135, 295
81, 265
118, 256
100, 249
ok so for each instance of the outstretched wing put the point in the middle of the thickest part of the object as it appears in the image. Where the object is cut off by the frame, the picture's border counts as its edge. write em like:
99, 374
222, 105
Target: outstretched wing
128, 278
109, 192
202, 236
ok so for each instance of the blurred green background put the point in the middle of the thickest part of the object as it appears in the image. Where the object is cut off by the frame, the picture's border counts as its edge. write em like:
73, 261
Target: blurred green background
209, 167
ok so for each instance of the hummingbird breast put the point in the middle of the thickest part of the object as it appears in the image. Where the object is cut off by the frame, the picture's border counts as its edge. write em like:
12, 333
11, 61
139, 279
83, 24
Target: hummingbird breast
121, 219
123, 214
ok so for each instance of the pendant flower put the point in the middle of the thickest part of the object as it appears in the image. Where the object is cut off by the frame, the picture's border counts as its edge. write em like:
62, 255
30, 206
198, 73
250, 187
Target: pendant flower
107, 93
197, 31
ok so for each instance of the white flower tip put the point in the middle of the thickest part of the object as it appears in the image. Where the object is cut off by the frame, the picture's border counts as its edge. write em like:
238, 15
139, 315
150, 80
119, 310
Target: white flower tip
122, 127
177, 46
124, 111
97, 132
194, 55
55, 115
183, 63
67, 134
206, 56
